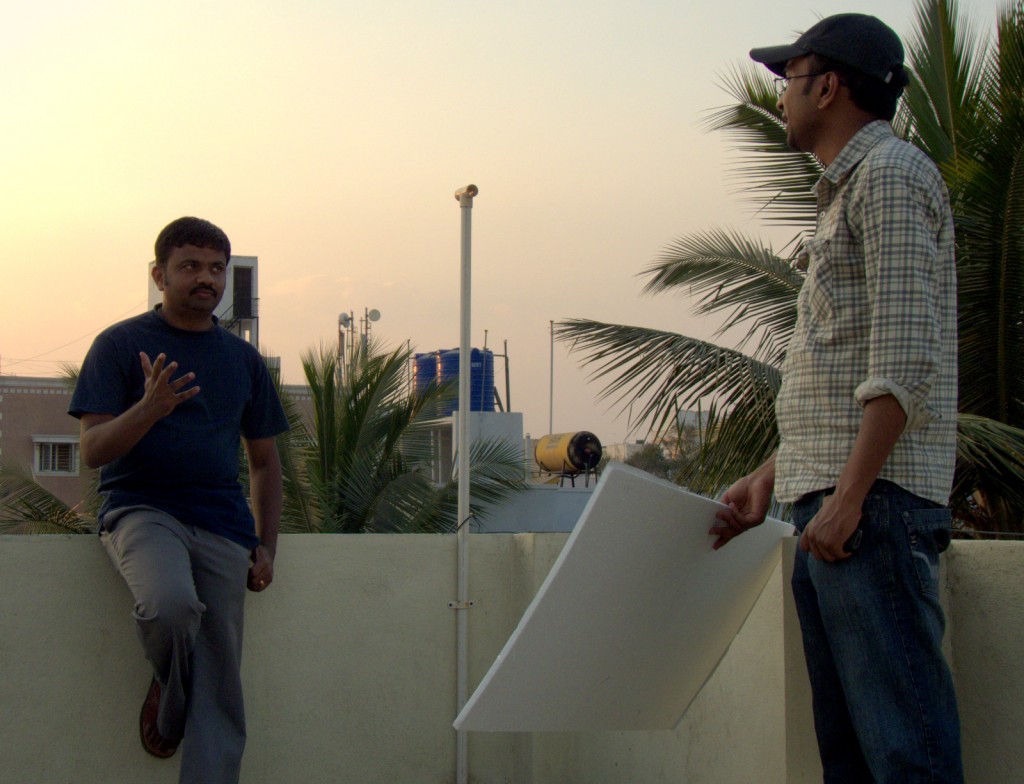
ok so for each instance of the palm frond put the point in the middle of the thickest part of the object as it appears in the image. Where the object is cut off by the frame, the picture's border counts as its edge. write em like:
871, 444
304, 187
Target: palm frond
496, 473
989, 208
28, 508
666, 373
734, 443
298, 513
964, 107
69, 374
363, 467
942, 105
725, 271
990, 461
773, 175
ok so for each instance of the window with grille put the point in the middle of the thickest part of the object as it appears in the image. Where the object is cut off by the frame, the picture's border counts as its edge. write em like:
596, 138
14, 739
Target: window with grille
56, 457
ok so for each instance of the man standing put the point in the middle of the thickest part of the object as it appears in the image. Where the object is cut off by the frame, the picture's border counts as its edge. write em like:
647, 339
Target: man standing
866, 415
174, 519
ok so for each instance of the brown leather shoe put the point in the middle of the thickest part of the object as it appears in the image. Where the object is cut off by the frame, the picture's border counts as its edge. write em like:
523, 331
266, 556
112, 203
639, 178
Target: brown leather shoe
152, 741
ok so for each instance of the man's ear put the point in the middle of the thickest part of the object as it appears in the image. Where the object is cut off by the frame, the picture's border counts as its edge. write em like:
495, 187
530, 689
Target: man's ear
158, 276
829, 89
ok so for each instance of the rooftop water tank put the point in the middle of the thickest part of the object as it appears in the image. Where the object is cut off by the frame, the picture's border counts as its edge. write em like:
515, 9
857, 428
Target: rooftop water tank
443, 366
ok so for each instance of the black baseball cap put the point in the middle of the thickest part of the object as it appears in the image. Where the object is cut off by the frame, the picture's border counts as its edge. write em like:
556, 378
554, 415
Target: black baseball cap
862, 42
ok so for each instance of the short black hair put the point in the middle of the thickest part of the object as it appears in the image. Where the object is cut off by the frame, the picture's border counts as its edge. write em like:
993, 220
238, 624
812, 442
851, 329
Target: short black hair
190, 231
868, 93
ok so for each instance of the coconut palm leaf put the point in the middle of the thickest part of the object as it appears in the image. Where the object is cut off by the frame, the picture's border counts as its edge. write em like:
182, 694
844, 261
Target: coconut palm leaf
725, 271
69, 374
496, 471
773, 175
28, 508
989, 208
496, 468
943, 104
990, 461
735, 442
371, 441
666, 374
297, 515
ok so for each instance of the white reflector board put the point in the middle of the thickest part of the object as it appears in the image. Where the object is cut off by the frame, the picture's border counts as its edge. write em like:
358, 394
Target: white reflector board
633, 618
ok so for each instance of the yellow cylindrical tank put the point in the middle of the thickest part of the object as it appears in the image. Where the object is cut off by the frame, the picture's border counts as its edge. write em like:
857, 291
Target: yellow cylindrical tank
569, 453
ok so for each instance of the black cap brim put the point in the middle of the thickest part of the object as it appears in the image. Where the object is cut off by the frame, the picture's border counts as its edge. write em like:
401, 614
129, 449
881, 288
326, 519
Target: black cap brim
776, 57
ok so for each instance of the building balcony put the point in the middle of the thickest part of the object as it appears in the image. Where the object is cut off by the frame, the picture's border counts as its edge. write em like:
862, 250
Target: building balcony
350, 671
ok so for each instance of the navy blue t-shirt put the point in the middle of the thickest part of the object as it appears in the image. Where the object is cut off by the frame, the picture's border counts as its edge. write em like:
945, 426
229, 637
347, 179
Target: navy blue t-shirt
187, 464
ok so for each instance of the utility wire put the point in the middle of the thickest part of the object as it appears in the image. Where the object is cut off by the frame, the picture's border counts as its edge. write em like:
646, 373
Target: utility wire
80, 337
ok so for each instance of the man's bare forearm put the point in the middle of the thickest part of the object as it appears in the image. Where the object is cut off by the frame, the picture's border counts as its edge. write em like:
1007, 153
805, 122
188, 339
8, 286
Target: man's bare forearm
105, 437
265, 490
827, 533
880, 429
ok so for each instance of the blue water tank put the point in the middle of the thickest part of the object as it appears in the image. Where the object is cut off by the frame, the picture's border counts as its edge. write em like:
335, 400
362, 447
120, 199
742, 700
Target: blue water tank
481, 379
424, 371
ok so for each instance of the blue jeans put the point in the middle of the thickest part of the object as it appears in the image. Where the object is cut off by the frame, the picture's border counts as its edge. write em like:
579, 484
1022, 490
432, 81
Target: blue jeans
884, 706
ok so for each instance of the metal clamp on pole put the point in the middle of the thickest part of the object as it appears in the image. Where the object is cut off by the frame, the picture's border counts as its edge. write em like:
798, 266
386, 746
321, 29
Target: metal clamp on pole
461, 605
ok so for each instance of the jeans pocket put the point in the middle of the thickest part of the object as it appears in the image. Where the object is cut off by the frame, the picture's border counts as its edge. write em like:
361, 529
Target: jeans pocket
928, 535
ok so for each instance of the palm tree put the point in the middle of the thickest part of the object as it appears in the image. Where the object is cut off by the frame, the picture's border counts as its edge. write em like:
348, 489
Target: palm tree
965, 108
362, 464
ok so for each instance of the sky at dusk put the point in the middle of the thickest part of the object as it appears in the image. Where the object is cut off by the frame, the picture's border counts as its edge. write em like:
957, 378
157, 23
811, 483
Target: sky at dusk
328, 138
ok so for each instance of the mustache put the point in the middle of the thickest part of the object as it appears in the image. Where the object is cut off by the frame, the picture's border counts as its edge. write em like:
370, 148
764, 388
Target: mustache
203, 288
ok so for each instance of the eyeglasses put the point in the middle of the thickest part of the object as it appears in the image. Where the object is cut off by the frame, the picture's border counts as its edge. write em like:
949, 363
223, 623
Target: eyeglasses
782, 82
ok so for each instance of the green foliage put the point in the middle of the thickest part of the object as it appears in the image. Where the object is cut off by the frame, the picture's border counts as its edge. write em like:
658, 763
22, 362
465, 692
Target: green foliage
735, 275
964, 106
777, 179
362, 464
670, 373
987, 183
27, 508
990, 464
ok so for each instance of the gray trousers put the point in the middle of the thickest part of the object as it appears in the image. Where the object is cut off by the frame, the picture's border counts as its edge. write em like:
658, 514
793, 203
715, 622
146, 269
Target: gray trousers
189, 591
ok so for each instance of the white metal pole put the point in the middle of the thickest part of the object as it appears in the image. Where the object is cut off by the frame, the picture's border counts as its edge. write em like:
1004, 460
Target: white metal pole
551, 382
462, 605
340, 374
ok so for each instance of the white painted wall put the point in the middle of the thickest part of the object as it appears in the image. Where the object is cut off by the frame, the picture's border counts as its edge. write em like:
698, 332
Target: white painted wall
350, 672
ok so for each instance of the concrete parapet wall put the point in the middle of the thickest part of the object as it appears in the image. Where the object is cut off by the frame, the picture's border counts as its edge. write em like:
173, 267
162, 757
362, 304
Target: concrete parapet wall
350, 671
985, 601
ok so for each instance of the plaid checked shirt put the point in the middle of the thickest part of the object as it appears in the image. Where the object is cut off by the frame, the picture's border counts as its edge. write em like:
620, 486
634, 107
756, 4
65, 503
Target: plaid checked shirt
876, 315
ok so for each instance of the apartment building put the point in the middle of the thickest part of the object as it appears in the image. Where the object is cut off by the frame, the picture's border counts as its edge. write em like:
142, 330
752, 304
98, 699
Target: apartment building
37, 435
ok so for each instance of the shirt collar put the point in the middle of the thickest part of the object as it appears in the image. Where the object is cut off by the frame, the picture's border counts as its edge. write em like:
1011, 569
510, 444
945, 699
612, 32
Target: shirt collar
855, 150
156, 312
